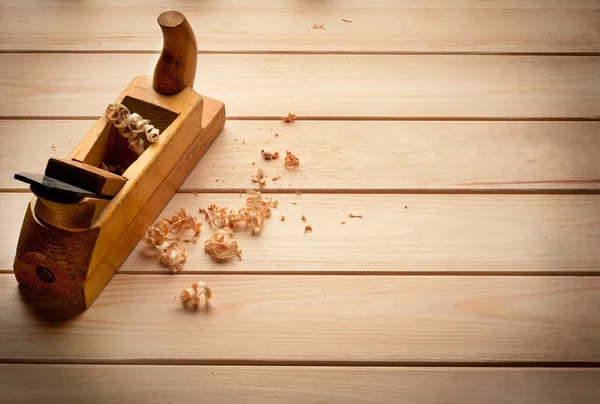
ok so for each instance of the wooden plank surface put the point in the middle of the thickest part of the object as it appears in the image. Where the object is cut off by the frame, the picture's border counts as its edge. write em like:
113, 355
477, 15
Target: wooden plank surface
364, 155
51, 384
398, 234
284, 26
332, 86
408, 115
381, 5
311, 319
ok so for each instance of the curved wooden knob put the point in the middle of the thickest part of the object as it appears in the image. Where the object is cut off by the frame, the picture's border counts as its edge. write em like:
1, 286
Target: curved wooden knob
176, 66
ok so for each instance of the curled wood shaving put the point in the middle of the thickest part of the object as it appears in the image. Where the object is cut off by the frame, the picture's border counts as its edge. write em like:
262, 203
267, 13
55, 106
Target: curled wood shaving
303, 218
290, 160
194, 293
165, 236
282, 218
222, 245
318, 26
269, 156
131, 126
307, 228
260, 177
351, 214
345, 20
290, 117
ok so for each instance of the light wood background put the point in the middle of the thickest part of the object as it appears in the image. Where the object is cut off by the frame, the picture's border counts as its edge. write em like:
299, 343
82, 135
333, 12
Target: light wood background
465, 131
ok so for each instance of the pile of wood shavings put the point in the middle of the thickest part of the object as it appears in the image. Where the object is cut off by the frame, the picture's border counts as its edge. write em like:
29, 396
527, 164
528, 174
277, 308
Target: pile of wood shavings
166, 235
131, 126
258, 207
222, 245
194, 293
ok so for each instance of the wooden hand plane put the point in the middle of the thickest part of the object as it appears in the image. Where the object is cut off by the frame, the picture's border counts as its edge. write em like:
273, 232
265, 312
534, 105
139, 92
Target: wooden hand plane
84, 220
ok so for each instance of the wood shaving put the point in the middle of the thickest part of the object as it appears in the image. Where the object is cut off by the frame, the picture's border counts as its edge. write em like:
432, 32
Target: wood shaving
345, 20
269, 156
355, 214
318, 26
222, 245
53, 147
260, 177
290, 160
343, 222
290, 117
303, 217
282, 218
165, 236
258, 207
307, 228
194, 293
276, 178
131, 126
277, 135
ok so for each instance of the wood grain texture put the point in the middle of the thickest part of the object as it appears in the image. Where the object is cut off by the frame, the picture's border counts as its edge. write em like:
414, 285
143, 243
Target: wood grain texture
434, 233
381, 5
376, 26
341, 155
51, 384
311, 319
392, 86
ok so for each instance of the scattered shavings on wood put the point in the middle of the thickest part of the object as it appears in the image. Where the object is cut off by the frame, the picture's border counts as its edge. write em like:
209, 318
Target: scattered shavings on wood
194, 293
290, 160
166, 235
290, 117
268, 155
351, 214
318, 26
258, 207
